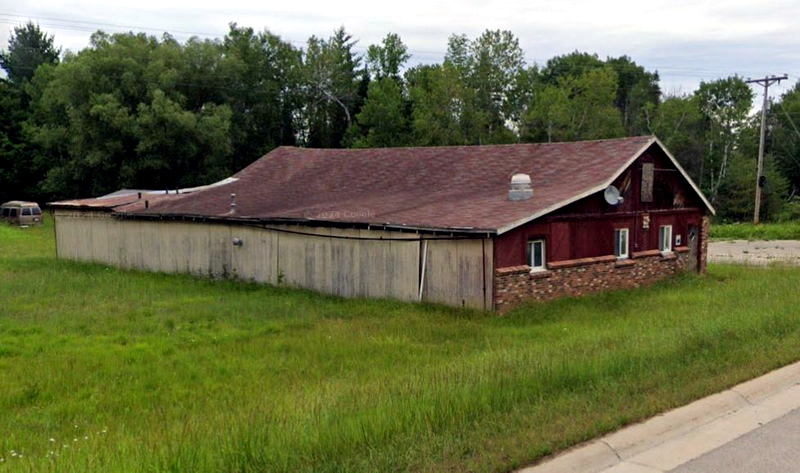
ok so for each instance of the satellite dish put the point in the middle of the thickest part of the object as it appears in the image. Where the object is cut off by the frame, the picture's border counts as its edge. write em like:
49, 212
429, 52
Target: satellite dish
612, 196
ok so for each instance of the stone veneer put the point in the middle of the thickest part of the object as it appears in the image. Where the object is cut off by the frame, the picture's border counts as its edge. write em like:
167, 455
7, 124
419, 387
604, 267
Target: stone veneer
515, 284
704, 227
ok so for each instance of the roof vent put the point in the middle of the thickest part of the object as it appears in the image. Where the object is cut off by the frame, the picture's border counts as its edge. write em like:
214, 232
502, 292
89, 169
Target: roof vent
233, 204
521, 188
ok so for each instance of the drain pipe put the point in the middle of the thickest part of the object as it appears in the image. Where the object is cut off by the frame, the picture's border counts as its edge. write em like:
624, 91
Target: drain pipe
422, 268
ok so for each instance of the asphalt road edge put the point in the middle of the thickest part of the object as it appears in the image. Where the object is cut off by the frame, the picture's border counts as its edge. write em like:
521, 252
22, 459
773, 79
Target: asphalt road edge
679, 435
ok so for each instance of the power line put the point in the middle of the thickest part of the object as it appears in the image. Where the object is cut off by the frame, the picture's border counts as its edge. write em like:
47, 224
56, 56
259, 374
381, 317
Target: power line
764, 82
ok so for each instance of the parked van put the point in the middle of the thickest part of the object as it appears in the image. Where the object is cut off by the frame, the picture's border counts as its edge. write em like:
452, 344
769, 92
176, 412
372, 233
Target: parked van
18, 212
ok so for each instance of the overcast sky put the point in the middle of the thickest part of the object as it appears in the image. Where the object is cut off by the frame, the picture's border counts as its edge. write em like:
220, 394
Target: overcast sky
686, 41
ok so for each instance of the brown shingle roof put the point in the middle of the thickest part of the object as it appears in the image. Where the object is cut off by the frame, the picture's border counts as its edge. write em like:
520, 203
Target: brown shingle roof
458, 187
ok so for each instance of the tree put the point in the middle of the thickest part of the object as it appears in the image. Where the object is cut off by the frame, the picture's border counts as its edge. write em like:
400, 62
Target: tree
569, 65
28, 48
442, 107
20, 170
116, 115
548, 116
15, 176
735, 200
384, 116
493, 67
577, 108
635, 86
260, 82
784, 138
725, 104
680, 125
332, 82
387, 58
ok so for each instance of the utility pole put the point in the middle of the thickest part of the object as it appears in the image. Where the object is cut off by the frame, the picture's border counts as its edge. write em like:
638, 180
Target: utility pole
765, 82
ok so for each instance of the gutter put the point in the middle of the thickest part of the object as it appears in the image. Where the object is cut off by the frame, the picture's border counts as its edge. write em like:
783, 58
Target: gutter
452, 231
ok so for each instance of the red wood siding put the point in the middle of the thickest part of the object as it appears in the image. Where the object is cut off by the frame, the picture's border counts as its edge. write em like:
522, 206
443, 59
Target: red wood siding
585, 228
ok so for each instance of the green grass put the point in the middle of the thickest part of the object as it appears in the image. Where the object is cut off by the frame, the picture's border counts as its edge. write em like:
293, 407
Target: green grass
764, 231
135, 372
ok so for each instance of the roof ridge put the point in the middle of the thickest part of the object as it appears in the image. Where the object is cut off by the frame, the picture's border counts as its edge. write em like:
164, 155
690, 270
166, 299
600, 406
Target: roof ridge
491, 145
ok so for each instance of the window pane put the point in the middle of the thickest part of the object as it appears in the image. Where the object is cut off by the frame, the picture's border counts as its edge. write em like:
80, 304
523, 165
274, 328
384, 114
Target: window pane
623, 243
37, 211
26, 211
537, 254
616, 242
665, 238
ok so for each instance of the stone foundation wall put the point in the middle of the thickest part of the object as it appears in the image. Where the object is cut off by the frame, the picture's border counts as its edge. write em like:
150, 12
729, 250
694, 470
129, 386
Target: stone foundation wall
515, 284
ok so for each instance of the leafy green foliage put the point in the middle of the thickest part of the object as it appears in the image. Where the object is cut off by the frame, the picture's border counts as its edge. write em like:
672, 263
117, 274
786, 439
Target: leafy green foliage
388, 58
259, 78
136, 111
384, 116
785, 137
492, 67
577, 108
332, 85
782, 230
116, 116
725, 104
28, 48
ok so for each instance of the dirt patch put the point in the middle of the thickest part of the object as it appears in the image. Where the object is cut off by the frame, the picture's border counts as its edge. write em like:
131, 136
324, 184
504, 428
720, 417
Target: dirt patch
756, 252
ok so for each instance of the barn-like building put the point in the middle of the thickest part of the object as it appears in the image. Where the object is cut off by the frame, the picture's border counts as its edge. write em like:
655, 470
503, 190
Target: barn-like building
476, 226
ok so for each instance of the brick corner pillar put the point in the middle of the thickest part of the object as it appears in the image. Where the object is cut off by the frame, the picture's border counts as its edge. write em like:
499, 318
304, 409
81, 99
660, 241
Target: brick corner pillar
704, 230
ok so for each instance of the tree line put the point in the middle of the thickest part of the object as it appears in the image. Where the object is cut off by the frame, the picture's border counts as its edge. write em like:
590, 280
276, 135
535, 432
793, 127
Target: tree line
136, 111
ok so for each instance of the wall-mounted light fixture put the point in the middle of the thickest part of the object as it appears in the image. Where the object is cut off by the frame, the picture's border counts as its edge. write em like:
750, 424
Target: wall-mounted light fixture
238, 242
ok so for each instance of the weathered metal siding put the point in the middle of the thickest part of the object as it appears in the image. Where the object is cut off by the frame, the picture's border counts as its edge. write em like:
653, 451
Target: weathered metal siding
458, 272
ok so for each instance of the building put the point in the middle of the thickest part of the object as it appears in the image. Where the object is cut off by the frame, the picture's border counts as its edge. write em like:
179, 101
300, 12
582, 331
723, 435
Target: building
476, 226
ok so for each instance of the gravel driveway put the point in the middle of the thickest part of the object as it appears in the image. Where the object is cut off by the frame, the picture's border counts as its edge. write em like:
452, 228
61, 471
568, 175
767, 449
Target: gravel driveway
757, 252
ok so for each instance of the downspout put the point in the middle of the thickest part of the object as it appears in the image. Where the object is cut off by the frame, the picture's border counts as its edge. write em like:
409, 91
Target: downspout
483, 263
422, 267
55, 231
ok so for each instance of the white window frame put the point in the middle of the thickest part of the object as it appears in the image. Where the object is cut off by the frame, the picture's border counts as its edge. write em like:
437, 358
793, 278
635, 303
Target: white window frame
665, 238
624, 250
530, 257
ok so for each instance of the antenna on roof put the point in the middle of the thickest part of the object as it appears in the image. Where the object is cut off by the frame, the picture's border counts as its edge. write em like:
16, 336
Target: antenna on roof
233, 204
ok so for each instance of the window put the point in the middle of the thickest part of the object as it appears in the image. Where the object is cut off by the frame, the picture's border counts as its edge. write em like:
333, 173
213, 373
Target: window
665, 238
37, 211
26, 211
621, 243
12, 212
536, 255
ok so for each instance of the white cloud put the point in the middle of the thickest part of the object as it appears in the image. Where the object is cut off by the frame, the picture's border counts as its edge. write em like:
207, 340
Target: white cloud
685, 40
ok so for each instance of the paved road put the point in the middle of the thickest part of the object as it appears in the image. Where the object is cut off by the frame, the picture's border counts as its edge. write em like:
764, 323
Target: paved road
753, 427
757, 252
774, 448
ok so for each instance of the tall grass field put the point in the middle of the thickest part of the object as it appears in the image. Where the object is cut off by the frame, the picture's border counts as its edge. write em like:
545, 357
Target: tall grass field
104, 370
763, 231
